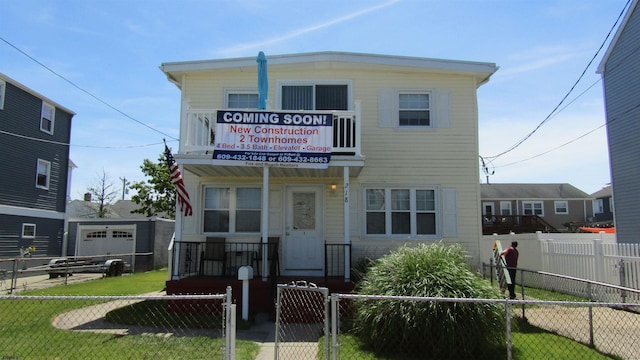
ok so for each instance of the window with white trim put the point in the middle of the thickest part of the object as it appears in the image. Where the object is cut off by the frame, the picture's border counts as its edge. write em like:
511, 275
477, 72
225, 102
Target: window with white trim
532, 208
505, 207
3, 87
561, 206
47, 119
28, 231
400, 211
43, 173
598, 206
232, 209
414, 109
311, 96
241, 99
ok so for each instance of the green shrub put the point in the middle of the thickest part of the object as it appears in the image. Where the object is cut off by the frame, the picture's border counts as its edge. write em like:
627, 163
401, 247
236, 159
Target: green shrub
437, 329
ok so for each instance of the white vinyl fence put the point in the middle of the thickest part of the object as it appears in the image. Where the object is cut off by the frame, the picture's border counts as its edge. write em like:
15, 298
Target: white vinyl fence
594, 257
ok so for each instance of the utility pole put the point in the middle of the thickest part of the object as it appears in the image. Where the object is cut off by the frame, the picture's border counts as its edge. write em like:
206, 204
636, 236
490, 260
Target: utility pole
124, 187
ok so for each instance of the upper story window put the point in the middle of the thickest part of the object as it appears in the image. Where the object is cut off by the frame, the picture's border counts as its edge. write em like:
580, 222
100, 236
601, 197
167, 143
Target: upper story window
47, 119
28, 231
43, 173
532, 208
3, 87
562, 207
314, 96
398, 211
232, 210
241, 99
414, 109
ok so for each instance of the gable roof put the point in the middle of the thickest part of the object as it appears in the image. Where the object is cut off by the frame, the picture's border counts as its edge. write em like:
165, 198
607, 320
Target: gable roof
602, 193
616, 37
35, 93
121, 209
482, 71
531, 191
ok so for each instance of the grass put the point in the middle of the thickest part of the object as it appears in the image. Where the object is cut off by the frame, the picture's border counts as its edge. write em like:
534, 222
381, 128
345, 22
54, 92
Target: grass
26, 331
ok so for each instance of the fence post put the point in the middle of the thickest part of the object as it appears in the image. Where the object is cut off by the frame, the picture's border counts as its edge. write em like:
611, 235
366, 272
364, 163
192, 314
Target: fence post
507, 307
14, 276
334, 326
623, 279
591, 341
230, 326
598, 259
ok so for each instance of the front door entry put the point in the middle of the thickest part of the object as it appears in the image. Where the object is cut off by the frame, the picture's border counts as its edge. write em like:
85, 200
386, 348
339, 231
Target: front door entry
304, 241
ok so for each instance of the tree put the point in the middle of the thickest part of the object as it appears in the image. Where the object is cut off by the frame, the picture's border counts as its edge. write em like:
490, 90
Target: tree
156, 195
103, 193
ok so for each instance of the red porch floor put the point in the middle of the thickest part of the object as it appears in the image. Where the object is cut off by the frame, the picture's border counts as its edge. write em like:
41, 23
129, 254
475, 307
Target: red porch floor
262, 294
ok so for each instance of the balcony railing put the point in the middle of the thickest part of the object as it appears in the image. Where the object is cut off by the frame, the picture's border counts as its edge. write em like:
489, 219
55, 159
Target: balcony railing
198, 131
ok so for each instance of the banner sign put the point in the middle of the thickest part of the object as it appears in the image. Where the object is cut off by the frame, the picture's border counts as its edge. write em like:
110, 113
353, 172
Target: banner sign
281, 139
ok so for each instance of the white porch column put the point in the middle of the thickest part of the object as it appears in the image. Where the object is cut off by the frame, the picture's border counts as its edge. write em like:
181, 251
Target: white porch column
347, 225
175, 270
265, 222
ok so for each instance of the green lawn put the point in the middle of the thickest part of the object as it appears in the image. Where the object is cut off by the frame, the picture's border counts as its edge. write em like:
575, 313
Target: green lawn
26, 331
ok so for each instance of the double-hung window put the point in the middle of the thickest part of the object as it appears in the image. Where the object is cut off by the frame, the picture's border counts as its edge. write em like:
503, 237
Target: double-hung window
505, 207
232, 210
43, 173
400, 211
562, 207
414, 109
3, 87
241, 99
315, 96
28, 231
532, 208
47, 119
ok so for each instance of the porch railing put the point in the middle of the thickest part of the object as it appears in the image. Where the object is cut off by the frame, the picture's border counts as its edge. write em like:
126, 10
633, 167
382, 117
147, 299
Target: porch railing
195, 260
198, 131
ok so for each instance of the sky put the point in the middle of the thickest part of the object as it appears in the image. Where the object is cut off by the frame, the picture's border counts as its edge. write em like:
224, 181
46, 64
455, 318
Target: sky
101, 59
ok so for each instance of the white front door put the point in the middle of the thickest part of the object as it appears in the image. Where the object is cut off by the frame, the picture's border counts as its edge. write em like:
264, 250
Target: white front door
304, 237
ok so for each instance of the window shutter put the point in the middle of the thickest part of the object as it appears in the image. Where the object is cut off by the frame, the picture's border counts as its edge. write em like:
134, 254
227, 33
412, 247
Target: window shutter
449, 213
385, 108
443, 109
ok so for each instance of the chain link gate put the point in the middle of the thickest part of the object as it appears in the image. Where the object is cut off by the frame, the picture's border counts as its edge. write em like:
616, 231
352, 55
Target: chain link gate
302, 320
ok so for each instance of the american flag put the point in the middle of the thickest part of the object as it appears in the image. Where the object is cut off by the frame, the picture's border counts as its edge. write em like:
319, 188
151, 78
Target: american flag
176, 179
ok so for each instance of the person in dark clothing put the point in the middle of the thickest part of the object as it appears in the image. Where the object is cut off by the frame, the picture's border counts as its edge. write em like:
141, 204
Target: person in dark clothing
510, 255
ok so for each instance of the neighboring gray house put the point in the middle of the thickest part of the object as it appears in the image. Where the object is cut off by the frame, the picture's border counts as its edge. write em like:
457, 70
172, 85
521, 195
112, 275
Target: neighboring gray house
120, 233
620, 71
603, 206
561, 207
34, 133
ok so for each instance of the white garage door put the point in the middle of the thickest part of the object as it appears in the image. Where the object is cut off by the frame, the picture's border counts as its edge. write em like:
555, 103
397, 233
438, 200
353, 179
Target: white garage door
101, 240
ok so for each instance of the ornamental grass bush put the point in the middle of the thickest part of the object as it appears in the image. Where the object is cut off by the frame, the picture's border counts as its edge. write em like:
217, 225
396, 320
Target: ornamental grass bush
439, 330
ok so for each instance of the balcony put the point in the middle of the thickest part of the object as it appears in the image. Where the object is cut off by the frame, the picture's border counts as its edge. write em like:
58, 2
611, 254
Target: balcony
197, 132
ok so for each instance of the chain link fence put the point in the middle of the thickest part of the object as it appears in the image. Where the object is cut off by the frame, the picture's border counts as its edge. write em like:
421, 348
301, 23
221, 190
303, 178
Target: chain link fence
115, 327
302, 321
550, 330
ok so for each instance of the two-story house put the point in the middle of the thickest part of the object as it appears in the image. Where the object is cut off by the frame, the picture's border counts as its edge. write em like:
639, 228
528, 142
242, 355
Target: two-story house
35, 134
620, 71
525, 208
354, 156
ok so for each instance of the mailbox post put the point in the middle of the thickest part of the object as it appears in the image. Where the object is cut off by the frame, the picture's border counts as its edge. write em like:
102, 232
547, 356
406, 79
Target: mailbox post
245, 273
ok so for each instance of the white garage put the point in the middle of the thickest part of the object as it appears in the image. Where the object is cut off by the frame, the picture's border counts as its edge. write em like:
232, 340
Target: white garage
107, 240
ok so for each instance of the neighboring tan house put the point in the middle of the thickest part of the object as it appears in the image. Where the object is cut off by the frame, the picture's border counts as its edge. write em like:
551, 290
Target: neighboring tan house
34, 132
397, 164
524, 208
603, 207
620, 71
120, 234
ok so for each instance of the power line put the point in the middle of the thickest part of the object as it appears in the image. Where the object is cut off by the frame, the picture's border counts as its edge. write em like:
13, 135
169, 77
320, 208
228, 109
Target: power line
85, 91
550, 115
75, 145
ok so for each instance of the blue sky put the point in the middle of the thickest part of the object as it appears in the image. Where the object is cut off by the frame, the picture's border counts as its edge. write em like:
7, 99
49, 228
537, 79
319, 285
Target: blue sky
109, 52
